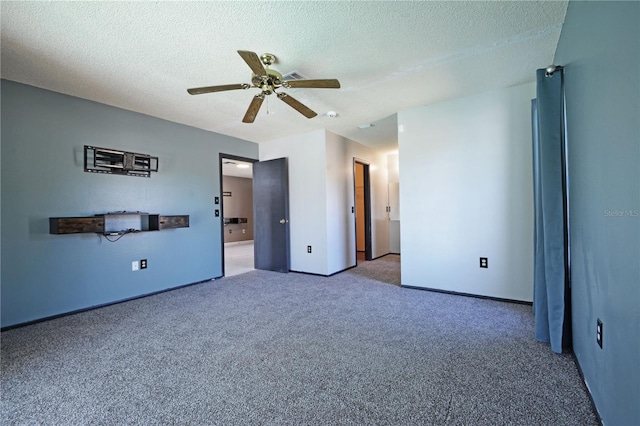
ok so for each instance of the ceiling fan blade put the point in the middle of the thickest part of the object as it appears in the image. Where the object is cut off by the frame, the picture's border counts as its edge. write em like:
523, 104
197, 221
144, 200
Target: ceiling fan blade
297, 105
254, 62
314, 84
253, 109
222, 88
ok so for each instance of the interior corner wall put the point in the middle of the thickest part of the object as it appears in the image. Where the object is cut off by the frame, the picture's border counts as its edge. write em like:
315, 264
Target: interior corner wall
340, 221
307, 201
321, 196
599, 47
42, 176
467, 192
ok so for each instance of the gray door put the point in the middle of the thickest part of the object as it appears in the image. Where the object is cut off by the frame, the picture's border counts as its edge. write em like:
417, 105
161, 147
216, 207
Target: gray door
271, 215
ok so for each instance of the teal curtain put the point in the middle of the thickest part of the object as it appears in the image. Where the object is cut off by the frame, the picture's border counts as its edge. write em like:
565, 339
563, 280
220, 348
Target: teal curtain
551, 293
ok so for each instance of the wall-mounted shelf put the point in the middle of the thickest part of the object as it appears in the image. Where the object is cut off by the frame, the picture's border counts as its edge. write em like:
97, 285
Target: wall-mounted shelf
116, 223
234, 220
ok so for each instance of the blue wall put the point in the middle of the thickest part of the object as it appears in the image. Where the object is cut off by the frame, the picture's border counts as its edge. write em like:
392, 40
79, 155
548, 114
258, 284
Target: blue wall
43, 135
600, 48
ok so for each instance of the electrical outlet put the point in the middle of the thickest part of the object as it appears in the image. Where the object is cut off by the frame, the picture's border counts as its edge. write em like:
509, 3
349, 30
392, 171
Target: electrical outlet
134, 265
308, 249
230, 231
243, 230
599, 333
143, 264
484, 262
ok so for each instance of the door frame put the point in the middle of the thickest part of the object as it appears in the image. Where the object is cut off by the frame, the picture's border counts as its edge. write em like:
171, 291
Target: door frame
368, 251
222, 156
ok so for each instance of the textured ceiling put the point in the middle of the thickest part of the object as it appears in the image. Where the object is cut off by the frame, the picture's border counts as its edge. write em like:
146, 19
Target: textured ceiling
388, 56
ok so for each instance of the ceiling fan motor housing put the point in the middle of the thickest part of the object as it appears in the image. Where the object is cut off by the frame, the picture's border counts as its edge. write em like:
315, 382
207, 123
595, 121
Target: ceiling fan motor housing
269, 82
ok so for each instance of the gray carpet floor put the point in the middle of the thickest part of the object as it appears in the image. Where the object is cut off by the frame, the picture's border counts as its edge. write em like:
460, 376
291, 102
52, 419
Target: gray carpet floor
269, 348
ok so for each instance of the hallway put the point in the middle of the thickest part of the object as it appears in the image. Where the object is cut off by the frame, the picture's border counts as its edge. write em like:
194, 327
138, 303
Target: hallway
238, 258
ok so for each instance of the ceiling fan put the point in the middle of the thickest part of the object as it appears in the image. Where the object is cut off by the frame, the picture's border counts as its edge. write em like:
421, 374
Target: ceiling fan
268, 80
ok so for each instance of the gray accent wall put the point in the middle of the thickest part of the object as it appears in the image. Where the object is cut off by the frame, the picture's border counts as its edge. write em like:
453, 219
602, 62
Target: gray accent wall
600, 49
43, 135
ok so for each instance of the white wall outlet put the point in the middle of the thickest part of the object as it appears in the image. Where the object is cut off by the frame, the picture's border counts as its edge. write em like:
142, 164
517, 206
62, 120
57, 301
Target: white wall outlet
135, 265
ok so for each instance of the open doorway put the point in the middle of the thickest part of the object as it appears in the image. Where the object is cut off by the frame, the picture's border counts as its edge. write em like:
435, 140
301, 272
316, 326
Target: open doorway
362, 190
236, 203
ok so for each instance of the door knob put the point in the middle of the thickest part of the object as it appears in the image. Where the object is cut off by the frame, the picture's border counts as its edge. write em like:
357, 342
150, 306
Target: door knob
282, 221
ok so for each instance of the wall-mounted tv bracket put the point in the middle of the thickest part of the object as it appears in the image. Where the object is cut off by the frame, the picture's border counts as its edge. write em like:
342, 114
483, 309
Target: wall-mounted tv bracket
112, 161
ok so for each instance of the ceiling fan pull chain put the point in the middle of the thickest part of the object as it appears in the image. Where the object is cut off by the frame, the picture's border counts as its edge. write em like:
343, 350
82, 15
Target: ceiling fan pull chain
267, 106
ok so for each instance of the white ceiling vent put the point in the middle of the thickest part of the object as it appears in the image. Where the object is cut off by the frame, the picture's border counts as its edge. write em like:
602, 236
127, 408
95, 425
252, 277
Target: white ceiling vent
294, 75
